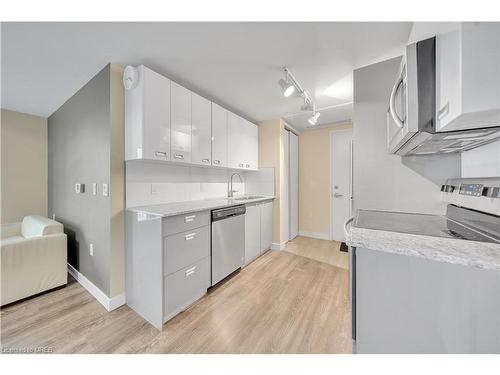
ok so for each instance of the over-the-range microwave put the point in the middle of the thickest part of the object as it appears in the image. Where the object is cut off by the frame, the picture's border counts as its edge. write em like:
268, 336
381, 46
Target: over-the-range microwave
411, 125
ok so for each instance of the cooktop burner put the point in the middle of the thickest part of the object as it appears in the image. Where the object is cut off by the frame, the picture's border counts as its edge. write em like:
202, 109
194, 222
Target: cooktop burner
421, 224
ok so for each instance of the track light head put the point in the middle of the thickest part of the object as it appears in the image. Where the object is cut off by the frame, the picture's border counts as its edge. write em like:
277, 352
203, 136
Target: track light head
287, 88
314, 118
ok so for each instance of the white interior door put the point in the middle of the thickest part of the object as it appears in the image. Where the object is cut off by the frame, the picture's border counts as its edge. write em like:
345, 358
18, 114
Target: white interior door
341, 181
293, 184
285, 190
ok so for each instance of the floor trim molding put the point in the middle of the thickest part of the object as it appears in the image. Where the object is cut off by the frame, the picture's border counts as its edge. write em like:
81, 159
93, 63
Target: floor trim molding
109, 303
278, 246
319, 236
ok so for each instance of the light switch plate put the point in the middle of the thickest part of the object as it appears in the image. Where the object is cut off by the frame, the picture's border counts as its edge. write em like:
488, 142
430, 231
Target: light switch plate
105, 191
94, 188
78, 188
91, 249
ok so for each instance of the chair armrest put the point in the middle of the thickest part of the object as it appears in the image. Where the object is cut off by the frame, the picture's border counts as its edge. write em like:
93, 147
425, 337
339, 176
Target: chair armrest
10, 230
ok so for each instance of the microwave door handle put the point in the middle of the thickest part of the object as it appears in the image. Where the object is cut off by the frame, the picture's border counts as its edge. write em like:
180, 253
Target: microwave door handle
392, 103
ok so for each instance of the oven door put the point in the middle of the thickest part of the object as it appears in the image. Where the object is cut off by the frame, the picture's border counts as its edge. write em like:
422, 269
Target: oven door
397, 124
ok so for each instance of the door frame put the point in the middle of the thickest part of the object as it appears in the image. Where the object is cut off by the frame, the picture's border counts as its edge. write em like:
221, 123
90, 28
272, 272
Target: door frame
332, 134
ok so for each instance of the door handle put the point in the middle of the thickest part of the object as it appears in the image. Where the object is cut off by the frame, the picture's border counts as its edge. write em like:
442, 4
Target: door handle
205, 160
178, 156
188, 219
190, 236
161, 154
337, 195
216, 161
392, 103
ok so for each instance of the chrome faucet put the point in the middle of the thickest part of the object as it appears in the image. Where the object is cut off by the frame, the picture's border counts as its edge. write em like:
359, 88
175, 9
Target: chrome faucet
231, 191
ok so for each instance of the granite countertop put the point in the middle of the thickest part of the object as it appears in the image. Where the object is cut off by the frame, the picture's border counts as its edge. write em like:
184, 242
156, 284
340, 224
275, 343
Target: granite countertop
485, 255
179, 208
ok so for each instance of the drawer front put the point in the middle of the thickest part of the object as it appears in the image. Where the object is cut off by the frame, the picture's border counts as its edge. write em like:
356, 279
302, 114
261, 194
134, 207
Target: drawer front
183, 249
182, 223
185, 287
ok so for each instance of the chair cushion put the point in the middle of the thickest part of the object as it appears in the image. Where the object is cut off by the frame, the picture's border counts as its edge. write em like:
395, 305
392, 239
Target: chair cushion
36, 226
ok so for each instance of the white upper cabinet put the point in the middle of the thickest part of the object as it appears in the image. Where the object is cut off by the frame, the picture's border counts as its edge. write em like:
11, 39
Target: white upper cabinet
147, 117
201, 130
180, 100
243, 143
468, 77
219, 136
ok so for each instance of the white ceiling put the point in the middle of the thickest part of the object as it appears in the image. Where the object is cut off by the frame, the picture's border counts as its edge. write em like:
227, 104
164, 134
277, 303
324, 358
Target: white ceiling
234, 64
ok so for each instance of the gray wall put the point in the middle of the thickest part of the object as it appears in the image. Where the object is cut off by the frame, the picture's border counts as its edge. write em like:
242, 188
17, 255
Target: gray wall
79, 152
383, 181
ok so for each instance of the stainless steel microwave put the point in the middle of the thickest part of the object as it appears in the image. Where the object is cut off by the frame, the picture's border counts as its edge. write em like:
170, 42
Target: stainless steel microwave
411, 125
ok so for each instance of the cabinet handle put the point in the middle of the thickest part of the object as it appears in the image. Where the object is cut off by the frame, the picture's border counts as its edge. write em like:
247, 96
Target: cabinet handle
190, 271
216, 161
190, 236
444, 111
205, 160
178, 156
241, 165
248, 165
162, 154
189, 219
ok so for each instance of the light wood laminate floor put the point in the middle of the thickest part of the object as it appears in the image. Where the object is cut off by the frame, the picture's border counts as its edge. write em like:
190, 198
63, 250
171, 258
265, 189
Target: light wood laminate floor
280, 303
320, 250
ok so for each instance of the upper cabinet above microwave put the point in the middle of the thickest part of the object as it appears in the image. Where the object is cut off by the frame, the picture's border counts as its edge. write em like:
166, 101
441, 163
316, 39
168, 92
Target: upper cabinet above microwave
468, 77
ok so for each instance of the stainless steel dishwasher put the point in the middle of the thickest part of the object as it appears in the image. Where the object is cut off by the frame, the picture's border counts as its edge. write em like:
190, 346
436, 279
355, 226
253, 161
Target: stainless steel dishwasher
228, 241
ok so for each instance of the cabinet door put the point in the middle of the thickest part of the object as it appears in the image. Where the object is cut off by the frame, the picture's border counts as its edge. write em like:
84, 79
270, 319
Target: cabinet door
448, 73
252, 233
180, 99
147, 117
219, 136
201, 130
252, 147
266, 226
236, 141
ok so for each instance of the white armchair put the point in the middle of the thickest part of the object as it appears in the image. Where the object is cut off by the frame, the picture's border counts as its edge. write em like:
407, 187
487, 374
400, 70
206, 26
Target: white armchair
33, 259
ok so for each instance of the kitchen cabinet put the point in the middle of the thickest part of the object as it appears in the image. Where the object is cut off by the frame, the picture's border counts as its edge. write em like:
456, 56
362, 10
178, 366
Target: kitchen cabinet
147, 117
467, 77
252, 233
258, 229
410, 305
167, 263
266, 226
219, 136
201, 130
180, 124
243, 143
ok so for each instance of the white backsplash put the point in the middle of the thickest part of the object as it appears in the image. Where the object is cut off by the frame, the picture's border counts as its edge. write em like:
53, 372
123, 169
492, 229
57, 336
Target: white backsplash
150, 183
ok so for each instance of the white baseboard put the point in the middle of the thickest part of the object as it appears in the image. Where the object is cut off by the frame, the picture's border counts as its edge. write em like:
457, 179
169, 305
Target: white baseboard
319, 236
108, 303
278, 246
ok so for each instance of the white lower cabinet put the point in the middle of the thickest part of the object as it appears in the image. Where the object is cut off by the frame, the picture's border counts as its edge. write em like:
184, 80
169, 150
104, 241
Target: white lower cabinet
258, 230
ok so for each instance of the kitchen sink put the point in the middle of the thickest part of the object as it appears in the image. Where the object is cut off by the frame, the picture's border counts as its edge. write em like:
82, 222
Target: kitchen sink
248, 197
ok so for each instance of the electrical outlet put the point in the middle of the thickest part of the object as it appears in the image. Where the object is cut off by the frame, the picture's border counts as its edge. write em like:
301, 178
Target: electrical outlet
91, 249
94, 188
53, 216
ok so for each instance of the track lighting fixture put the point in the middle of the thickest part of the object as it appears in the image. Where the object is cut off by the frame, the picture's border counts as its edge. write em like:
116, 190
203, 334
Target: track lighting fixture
287, 88
314, 118
289, 85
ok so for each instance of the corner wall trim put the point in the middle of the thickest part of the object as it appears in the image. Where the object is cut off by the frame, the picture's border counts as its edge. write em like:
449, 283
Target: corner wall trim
278, 246
109, 303
319, 236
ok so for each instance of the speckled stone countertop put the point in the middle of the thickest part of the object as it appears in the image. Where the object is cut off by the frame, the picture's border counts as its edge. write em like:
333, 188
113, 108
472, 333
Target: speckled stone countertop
179, 208
485, 255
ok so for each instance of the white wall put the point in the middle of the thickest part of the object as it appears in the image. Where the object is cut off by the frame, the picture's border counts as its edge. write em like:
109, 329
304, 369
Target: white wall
383, 181
24, 166
150, 183
482, 161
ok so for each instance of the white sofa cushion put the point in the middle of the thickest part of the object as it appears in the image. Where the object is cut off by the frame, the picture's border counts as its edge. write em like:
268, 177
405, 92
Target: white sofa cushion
36, 226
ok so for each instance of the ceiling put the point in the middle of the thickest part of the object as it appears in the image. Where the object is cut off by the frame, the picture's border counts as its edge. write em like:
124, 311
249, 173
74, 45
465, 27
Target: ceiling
234, 64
